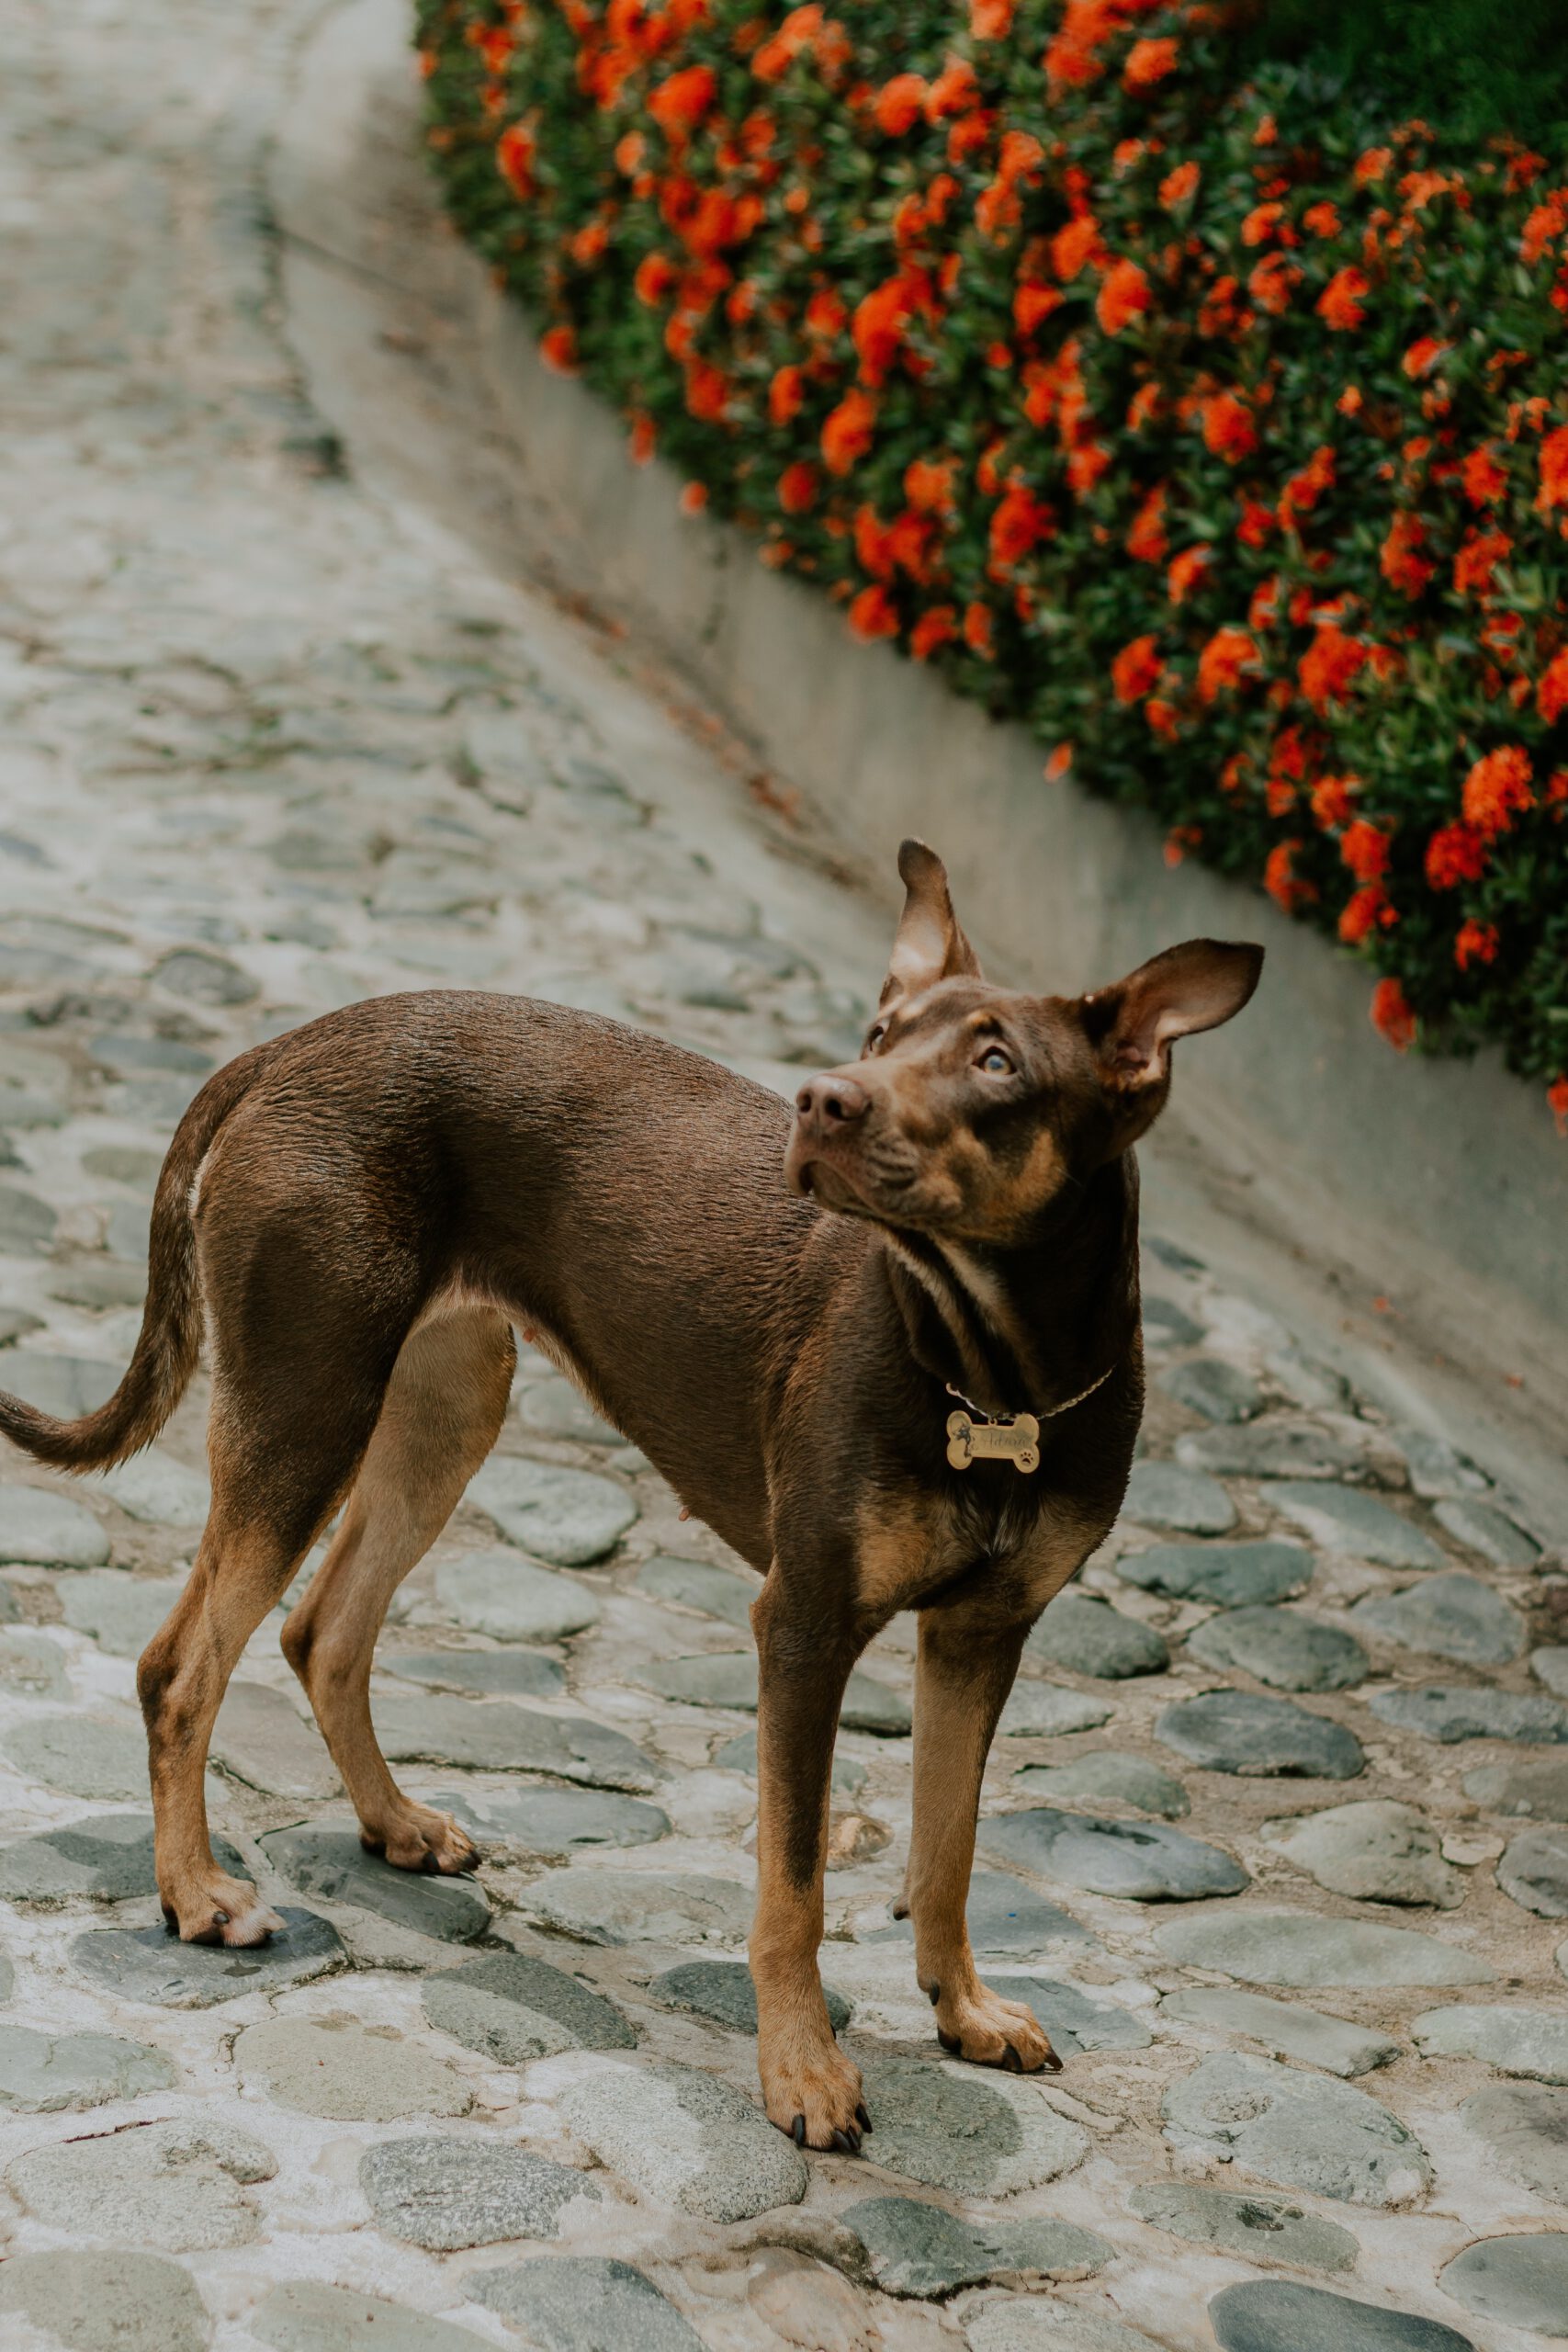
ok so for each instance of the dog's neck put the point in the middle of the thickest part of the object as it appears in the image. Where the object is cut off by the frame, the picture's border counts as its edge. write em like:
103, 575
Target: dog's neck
1029, 1327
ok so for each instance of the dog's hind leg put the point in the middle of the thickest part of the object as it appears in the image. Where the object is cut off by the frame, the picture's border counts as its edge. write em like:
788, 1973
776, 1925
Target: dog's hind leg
443, 1408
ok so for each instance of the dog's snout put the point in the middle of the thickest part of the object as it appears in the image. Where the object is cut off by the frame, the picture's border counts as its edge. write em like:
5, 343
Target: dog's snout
827, 1102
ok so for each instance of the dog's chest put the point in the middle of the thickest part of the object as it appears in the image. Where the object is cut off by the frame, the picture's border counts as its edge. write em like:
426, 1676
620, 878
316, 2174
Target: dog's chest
914, 1544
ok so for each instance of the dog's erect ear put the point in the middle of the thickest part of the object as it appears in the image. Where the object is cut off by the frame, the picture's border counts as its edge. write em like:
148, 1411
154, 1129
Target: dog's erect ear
929, 946
1192, 987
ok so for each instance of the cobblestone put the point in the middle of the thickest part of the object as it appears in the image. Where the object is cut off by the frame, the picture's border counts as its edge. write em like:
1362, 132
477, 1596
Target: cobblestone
293, 713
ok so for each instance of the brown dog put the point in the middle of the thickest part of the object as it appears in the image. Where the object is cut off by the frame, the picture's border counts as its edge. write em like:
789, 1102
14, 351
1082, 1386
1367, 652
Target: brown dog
830, 1372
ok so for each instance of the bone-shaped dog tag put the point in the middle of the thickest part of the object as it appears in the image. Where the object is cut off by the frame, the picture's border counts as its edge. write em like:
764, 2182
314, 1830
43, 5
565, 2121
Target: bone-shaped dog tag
1015, 1441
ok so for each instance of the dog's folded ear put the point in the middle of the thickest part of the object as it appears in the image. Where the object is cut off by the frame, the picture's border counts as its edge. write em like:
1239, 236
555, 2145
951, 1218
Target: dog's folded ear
929, 946
1195, 986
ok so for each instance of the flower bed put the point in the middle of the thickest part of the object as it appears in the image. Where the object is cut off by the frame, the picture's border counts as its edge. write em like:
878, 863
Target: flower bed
1220, 440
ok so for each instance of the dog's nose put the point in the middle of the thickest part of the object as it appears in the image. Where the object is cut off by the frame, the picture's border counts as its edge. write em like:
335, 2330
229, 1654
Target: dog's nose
827, 1102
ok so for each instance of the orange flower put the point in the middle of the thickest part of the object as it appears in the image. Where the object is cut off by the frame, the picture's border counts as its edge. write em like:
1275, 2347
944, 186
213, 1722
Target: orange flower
1332, 802
1474, 562
1551, 694
1260, 223
977, 624
558, 349
1148, 62
1146, 541
694, 498
1363, 910
1553, 489
1305, 489
1180, 840
1227, 656
644, 439
1557, 1097
1484, 479
1372, 164
680, 101
1288, 889
936, 628
1341, 303
589, 243
1136, 671
1033, 305
928, 485
1019, 523
1422, 355
990, 20
881, 320
900, 104
847, 432
514, 152
1499, 787
872, 615
785, 394
1072, 247
1179, 185
1323, 219
799, 31
1272, 283
1328, 667
1163, 718
1058, 763
1477, 944
1364, 849
1402, 563
655, 275
1228, 428
707, 391
954, 91
1124, 296
1455, 853
1392, 1016
1188, 571
798, 487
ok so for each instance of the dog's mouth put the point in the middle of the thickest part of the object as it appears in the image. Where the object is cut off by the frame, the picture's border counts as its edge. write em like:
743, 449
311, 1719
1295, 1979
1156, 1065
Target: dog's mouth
847, 1185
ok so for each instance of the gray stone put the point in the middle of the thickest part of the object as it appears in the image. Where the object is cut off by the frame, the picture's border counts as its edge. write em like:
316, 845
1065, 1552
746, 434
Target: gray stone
120, 1611
1090, 1637
1276, 2315
1166, 1325
32, 1666
1481, 1527
500, 1594
1141, 1861
97, 1284
85, 1756
1525, 2126
512, 2009
45, 1530
1043, 1711
1448, 1616
1220, 1391
27, 1224
334, 2068
1436, 1466
1299, 2131
108, 1856
740, 1755
261, 1738
301, 2317
128, 1055
1270, 1450
569, 1517
41, 2075
917, 2249
1005, 1917
1550, 1666
1295, 1948
1536, 1785
1041, 2323
722, 1990
554, 1821
605, 1907
1277, 1646
728, 1679
1162, 1494
332, 1864
179, 2185
582, 2303
1108, 1772
1286, 2030
1240, 1731
148, 1964
1532, 2043
1074, 2022
495, 1735
978, 2134
554, 1408
155, 1487
119, 2302
686, 2139
1447, 1711
510, 1673
443, 2194
202, 977
1534, 1870
1232, 1576
1374, 1852
691, 1584
67, 1386
1520, 2281
1341, 1519
1256, 2228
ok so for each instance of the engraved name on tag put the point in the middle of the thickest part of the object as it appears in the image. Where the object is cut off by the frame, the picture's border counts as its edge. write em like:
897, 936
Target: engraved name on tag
1016, 1441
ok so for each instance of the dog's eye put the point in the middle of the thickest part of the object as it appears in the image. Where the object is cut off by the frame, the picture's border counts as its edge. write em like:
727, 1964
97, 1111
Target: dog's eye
996, 1063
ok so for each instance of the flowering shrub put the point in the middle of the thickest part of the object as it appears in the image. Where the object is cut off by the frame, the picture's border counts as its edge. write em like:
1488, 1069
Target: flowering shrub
1220, 440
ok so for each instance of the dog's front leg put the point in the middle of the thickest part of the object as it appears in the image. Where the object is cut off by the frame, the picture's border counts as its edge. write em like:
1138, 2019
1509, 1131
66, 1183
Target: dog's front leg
811, 2091
964, 1673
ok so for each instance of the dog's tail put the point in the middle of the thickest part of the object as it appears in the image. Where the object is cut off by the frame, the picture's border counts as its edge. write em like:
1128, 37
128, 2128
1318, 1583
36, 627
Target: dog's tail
170, 1338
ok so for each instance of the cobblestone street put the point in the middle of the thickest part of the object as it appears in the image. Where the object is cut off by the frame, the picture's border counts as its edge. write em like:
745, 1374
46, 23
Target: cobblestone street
1275, 1835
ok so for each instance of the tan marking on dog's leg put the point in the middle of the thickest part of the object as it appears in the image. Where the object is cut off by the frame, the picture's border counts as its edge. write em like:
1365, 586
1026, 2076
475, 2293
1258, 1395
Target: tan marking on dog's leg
964, 1675
443, 1408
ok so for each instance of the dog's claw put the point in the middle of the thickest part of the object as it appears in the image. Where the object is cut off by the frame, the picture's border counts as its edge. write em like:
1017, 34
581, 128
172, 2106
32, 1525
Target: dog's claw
900, 1909
949, 2040
1051, 2063
1012, 2063
847, 2143
797, 2131
862, 2118
934, 1992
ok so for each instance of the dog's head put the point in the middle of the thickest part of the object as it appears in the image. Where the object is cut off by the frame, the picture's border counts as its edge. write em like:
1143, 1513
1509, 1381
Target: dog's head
973, 1108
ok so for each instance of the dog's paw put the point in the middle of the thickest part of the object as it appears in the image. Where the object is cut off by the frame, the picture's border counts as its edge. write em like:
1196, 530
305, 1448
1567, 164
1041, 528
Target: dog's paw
990, 2032
422, 1839
217, 1909
817, 2100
